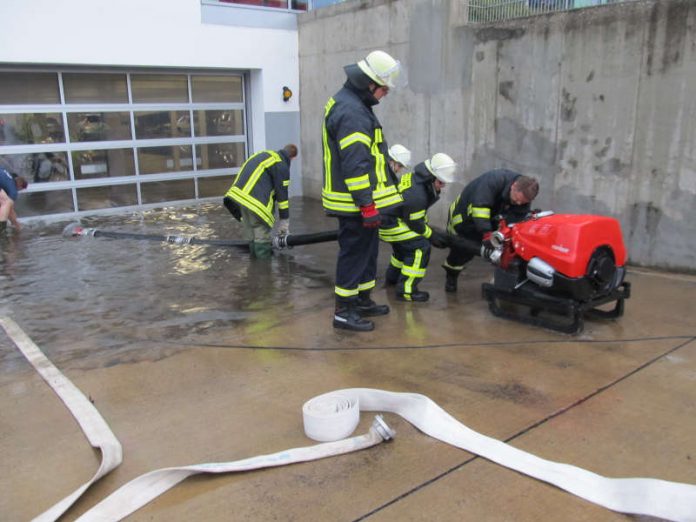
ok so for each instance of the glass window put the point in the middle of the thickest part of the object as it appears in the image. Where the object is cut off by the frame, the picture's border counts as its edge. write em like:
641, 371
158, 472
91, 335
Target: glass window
219, 123
162, 124
44, 203
153, 160
22, 129
214, 186
20, 88
99, 126
215, 89
95, 88
38, 167
91, 198
159, 88
159, 191
110, 163
220, 155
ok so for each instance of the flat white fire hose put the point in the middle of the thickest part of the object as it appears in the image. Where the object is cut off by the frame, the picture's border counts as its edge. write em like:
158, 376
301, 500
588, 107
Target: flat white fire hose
333, 416
92, 423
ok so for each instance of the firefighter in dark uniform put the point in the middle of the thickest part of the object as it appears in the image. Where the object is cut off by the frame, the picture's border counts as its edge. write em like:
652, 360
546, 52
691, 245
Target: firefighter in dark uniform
358, 185
475, 213
262, 180
409, 232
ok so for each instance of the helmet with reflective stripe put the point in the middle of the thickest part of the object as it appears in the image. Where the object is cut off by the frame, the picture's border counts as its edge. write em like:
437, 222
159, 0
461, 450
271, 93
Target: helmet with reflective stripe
400, 154
442, 167
381, 68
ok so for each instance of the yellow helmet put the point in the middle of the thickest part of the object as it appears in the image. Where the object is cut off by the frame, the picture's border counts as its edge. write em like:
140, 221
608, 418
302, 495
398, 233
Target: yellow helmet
400, 154
381, 68
442, 167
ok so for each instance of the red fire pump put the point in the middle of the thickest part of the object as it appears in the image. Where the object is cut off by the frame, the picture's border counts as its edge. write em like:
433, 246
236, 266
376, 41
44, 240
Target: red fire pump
553, 270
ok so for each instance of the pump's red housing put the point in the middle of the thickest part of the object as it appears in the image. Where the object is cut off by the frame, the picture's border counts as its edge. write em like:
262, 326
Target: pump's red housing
567, 264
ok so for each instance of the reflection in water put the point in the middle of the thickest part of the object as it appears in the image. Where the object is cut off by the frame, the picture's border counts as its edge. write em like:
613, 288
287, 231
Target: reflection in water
72, 295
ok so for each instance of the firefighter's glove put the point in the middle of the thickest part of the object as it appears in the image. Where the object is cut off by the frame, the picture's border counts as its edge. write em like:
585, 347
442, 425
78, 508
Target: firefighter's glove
233, 207
283, 227
439, 239
370, 216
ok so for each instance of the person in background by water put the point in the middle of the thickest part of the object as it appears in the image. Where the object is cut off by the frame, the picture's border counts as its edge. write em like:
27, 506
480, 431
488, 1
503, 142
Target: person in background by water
262, 179
10, 185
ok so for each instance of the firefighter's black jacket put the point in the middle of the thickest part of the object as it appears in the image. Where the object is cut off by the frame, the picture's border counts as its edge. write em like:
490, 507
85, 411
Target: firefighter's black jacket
411, 220
484, 199
262, 180
355, 156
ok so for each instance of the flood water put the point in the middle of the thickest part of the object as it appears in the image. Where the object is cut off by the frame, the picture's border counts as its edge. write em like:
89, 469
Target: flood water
79, 296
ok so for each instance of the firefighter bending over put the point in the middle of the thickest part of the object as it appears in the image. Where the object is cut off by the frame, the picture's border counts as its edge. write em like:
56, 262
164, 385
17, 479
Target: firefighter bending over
409, 232
358, 184
10, 185
262, 179
474, 214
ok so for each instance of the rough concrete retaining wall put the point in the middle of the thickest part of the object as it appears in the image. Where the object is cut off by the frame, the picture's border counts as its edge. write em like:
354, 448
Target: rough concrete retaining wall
599, 103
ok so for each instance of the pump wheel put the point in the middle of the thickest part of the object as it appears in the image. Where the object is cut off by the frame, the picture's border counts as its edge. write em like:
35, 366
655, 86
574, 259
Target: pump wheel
601, 269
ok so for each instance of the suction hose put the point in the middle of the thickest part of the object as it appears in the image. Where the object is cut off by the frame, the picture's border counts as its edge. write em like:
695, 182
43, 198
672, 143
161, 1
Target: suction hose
278, 242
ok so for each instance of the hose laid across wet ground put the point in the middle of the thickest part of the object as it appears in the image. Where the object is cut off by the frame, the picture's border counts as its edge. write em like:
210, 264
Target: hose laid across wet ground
278, 242
332, 417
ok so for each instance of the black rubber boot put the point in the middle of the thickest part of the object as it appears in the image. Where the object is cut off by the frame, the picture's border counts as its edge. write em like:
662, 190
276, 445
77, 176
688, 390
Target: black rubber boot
416, 295
366, 307
451, 281
348, 318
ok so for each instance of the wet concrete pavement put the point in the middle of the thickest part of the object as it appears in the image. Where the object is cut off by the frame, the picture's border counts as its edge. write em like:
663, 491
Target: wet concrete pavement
197, 354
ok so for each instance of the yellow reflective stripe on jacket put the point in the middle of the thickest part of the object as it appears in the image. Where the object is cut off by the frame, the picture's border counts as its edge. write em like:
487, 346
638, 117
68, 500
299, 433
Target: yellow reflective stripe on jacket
386, 195
405, 182
264, 212
340, 202
327, 149
286, 183
428, 232
358, 182
400, 232
260, 169
356, 137
283, 205
417, 215
454, 219
479, 212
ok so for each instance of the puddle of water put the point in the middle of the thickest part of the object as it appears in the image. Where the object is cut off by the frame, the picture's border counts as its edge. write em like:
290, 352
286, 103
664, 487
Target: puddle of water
62, 291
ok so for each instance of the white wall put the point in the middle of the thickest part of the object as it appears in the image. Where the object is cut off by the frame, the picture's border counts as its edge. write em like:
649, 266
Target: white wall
151, 33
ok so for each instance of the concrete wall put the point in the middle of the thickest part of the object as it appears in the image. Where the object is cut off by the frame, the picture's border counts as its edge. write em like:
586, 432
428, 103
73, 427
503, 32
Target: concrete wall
599, 103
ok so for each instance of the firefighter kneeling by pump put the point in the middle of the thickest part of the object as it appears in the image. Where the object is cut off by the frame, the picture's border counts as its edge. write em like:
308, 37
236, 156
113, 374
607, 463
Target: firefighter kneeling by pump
408, 231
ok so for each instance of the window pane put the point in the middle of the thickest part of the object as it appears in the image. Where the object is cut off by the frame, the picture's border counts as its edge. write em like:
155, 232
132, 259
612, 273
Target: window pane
90, 164
159, 88
99, 126
153, 160
220, 155
38, 167
17, 88
106, 197
95, 88
42, 203
38, 127
214, 187
167, 191
162, 124
211, 89
219, 123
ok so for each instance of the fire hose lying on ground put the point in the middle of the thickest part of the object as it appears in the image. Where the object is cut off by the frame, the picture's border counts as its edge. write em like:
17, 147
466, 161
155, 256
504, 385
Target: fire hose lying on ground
330, 418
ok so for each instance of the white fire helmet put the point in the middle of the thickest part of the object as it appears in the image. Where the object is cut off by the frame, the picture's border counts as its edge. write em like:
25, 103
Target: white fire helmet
442, 167
400, 154
381, 68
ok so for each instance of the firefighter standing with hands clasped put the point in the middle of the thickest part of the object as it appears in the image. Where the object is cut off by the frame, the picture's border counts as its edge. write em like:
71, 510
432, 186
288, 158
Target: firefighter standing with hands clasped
409, 232
358, 184
474, 214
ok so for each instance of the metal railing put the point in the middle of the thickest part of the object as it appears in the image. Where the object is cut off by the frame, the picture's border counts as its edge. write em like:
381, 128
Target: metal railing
484, 11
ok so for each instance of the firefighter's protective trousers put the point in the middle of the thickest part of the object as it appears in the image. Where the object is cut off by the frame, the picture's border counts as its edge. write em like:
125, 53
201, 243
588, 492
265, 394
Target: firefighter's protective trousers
356, 267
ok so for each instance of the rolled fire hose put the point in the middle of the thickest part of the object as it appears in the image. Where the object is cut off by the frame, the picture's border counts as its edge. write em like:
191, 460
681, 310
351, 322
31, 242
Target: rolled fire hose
333, 416
278, 242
